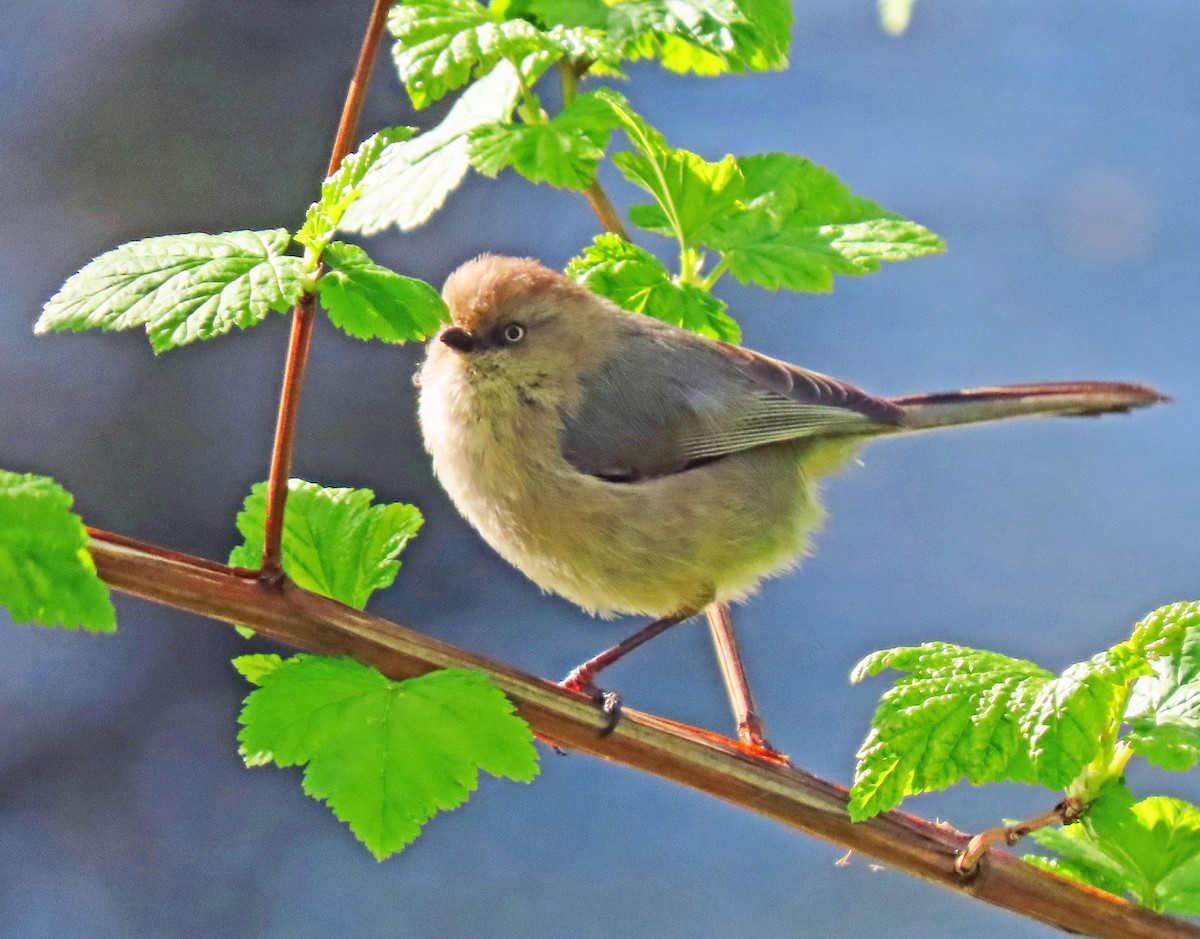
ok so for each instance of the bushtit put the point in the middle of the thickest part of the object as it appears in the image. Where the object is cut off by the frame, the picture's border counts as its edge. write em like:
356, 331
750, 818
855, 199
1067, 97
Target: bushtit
637, 468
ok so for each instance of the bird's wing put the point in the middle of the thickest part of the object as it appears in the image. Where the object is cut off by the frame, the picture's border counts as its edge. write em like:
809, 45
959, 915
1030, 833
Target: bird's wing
674, 399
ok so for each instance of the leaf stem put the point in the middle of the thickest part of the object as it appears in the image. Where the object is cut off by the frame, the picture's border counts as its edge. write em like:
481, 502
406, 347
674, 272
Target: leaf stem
598, 199
715, 275
1067, 812
570, 80
530, 107
305, 312
570, 73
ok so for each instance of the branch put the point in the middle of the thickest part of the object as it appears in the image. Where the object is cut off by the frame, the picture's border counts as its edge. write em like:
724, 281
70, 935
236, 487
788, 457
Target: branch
686, 755
305, 313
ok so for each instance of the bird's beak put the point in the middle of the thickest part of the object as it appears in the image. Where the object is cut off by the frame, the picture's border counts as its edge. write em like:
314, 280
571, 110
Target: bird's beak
458, 339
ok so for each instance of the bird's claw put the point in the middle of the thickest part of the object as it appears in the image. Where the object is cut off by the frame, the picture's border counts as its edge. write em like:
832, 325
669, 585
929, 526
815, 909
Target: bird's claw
580, 681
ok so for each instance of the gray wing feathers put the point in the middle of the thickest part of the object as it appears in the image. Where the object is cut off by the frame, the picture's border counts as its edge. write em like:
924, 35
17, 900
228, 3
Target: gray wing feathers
675, 398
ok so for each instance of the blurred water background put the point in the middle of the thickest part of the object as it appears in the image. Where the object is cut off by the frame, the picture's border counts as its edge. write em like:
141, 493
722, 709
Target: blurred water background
1056, 147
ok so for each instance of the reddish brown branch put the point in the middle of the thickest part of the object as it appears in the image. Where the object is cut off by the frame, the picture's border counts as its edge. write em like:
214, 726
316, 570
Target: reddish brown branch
302, 319
687, 755
285, 435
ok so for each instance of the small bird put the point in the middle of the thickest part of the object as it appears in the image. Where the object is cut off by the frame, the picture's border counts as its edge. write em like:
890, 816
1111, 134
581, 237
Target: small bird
637, 468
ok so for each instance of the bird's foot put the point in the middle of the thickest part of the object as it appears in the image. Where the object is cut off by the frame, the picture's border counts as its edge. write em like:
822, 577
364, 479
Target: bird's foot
582, 681
750, 733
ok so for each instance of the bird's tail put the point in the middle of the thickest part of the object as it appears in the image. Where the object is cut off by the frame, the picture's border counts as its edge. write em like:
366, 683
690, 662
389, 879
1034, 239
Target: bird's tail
1075, 398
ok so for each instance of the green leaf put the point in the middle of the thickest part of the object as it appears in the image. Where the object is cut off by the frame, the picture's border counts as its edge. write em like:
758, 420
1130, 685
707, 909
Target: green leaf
690, 192
708, 37
564, 151
686, 36
960, 713
801, 225
335, 542
369, 301
1164, 709
256, 668
385, 755
956, 714
764, 44
343, 186
181, 288
778, 220
412, 179
1078, 858
1161, 633
441, 44
1068, 716
590, 14
637, 281
1150, 848
46, 574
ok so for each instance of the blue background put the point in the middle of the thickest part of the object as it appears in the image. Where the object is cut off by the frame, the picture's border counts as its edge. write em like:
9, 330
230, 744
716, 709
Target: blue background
1055, 146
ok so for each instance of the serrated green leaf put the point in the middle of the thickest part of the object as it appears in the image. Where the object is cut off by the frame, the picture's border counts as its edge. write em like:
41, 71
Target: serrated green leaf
342, 187
369, 301
956, 714
801, 225
708, 37
46, 574
1164, 709
1148, 849
1066, 718
385, 755
686, 36
441, 44
690, 192
335, 542
564, 151
412, 179
1078, 858
964, 714
1160, 634
764, 45
637, 281
181, 288
591, 14
255, 668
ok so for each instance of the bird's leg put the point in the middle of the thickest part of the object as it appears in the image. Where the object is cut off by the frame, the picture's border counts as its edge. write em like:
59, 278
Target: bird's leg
583, 678
750, 727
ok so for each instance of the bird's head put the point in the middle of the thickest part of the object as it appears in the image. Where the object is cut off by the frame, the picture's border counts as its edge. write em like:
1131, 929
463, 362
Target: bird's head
517, 323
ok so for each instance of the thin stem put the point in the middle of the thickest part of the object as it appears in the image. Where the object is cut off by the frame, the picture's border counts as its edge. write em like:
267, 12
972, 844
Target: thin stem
702, 761
529, 107
305, 313
570, 80
1066, 812
570, 73
715, 275
598, 199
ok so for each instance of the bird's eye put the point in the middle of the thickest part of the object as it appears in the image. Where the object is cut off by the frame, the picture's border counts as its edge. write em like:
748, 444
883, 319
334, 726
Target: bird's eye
513, 333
